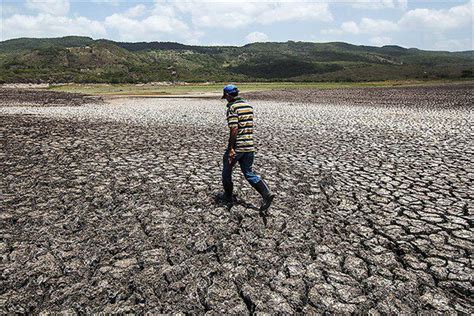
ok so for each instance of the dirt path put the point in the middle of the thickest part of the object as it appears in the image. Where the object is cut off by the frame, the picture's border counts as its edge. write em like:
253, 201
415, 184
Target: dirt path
109, 207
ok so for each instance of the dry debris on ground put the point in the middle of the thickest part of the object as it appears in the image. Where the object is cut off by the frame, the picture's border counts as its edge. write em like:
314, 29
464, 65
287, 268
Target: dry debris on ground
40, 98
110, 207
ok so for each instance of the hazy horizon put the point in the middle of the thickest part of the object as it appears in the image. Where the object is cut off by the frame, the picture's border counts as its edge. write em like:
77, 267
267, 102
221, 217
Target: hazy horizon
221, 45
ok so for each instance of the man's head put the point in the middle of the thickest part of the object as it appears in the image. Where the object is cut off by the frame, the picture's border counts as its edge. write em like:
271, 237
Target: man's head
230, 92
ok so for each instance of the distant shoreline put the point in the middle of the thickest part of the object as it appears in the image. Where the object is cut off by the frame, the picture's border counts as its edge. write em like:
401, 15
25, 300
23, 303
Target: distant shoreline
211, 90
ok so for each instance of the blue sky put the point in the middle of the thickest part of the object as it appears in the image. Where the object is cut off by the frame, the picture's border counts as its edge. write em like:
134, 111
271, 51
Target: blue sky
434, 25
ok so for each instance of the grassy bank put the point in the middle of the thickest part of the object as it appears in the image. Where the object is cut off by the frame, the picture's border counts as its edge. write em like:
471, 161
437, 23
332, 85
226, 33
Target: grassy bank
216, 88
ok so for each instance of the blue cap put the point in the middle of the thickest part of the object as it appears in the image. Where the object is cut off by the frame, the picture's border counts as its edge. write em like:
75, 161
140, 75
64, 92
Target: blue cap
230, 89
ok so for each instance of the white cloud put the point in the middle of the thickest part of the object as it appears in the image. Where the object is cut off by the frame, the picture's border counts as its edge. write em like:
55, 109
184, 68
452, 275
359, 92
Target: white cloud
224, 20
47, 25
186, 20
142, 23
366, 26
151, 28
163, 9
419, 20
112, 2
256, 37
350, 27
220, 14
54, 7
220, 44
238, 14
381, 40
374, 26
296, 12
440, 20
455, 44
135, 11
379, 4
8, 9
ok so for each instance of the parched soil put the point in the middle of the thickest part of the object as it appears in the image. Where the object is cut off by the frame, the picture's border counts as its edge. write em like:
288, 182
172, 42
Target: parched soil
434, 96
110, 207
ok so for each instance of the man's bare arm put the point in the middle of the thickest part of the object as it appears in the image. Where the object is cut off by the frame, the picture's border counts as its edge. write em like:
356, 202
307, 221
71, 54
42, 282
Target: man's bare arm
232, 141
232, 137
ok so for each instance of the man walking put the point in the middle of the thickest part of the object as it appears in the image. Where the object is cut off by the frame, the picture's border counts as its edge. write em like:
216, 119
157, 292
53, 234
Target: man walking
241, 147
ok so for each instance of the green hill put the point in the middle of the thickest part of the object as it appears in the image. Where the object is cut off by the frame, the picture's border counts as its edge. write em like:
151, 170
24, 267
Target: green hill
82, 59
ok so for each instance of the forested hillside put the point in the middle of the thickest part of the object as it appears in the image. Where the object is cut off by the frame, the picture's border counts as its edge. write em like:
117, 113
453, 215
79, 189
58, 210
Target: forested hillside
82, 59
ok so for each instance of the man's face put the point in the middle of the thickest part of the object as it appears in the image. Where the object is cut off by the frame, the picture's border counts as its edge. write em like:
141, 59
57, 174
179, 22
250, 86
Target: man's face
229, 98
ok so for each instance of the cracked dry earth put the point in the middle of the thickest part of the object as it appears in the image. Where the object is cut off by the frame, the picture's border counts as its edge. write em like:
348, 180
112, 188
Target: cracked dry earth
110, 207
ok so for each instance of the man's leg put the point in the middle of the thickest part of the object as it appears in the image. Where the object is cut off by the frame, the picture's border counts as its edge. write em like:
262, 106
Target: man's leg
255, 181
227, 177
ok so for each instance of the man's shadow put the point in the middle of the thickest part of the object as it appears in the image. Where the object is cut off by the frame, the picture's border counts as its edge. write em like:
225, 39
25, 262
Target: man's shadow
238, 201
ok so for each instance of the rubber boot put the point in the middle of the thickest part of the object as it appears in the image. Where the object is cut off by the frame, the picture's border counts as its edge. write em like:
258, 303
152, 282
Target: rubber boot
266, 194
227, 196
